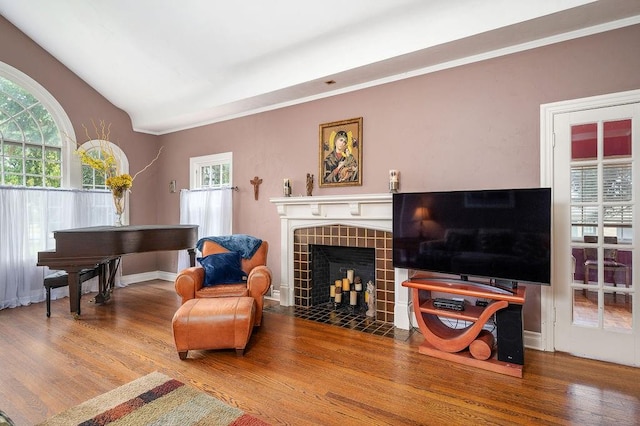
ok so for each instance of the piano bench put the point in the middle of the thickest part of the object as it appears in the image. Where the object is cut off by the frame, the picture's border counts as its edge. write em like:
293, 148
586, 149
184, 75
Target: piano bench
61, 279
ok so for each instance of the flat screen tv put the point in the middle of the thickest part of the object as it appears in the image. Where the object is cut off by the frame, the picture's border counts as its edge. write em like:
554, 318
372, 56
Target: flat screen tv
501, 235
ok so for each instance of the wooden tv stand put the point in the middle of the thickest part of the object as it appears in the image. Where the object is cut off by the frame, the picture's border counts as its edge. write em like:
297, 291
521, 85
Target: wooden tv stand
452, 344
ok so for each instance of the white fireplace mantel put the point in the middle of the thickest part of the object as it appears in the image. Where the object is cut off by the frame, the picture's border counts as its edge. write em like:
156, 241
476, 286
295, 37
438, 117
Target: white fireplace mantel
372, 211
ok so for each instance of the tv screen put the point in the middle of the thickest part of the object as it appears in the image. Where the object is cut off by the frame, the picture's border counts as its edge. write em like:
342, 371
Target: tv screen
503, 235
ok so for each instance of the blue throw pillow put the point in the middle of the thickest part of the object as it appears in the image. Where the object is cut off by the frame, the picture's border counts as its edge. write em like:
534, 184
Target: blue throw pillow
222, 268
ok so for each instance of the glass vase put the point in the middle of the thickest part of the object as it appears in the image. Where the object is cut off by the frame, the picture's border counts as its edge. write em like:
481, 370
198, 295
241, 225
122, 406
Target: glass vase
119, 203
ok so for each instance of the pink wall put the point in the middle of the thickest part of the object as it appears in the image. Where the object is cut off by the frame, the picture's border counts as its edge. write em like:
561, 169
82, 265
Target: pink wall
83, 104
475, 126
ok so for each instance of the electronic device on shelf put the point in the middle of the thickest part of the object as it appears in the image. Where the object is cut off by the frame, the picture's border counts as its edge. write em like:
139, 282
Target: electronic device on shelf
451, 304
502, 235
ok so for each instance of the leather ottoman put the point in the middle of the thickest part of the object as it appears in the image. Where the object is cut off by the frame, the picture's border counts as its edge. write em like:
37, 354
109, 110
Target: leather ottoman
213, 323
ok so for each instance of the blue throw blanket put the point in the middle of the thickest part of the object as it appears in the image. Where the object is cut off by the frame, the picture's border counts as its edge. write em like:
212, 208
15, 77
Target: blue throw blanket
246, 245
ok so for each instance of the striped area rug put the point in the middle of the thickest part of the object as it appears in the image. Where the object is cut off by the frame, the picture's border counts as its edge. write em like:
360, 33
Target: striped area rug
154, 399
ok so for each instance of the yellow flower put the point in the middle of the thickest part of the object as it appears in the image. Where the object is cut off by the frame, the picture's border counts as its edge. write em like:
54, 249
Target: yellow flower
104, 164
120, 183
101, 158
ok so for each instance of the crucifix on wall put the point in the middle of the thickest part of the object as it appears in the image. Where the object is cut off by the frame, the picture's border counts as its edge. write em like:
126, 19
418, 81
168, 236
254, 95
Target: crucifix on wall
256, 181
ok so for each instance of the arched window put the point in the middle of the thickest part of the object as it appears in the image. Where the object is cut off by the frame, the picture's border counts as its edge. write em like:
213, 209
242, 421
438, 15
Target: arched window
93, 179
34, 150
37, 139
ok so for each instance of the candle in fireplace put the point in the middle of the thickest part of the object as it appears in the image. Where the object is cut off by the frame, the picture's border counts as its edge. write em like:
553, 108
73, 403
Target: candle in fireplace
345, 284
332, 290
338, 298
350, 275
338, 284
353, 298
358, 284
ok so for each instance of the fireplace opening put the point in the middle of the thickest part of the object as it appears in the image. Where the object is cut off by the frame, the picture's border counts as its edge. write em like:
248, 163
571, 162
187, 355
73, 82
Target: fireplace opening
331, 263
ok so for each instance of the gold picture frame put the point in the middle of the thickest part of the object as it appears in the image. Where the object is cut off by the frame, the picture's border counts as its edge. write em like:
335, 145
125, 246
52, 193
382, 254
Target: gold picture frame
340, 161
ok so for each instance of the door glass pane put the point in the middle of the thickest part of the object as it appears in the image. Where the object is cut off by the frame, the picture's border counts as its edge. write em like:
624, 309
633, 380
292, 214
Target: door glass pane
616, 182
617, 138
577, 259
590, 262
616, 218
584, 184
624, 275
585, 308
617, 311
584, 221
584, 141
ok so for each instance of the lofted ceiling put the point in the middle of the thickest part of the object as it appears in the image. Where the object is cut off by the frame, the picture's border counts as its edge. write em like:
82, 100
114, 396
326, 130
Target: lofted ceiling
173, 65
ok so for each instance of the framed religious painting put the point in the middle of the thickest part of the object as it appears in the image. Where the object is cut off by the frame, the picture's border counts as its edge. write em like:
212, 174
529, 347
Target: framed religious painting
340, 160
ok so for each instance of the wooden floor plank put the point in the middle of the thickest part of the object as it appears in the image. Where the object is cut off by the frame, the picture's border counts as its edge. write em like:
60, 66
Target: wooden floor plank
294, 371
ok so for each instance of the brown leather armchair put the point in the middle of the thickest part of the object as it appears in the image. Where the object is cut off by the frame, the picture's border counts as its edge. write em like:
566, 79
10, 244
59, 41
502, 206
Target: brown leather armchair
189, 283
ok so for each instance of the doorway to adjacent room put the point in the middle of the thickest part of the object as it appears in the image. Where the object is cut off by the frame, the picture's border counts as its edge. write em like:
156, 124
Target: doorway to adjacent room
592, 155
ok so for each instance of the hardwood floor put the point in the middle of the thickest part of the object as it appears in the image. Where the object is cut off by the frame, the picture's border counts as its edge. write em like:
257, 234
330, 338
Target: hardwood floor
295, 371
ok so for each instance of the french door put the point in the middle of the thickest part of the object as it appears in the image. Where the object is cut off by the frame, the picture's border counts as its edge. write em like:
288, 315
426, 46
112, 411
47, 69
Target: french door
595, 228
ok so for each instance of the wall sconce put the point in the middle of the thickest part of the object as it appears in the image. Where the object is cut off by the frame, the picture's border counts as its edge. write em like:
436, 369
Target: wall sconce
394, 180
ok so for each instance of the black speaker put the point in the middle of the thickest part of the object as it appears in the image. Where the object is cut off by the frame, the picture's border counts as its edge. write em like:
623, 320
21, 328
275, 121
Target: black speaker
509, 329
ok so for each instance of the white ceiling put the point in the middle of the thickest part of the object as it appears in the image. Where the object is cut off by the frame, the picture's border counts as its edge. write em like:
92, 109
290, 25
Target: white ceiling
175, 64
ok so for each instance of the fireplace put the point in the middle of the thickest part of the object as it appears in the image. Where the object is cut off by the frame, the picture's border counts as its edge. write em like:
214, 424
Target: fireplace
330, 263
342, 237
360, 221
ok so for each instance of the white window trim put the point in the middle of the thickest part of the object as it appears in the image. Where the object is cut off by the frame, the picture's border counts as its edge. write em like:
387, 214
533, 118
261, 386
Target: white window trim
197, 163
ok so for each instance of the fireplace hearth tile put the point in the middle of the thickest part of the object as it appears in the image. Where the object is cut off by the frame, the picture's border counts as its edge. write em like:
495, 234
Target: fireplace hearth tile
322, 314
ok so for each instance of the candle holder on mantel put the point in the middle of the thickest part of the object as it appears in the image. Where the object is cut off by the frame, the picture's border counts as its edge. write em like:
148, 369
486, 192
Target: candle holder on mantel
287, 188
394, 180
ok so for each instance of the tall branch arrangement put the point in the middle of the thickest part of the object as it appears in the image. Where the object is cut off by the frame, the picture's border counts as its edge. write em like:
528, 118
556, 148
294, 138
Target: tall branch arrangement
106, 161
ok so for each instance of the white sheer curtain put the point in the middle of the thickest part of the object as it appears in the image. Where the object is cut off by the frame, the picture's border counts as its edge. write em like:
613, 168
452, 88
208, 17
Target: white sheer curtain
211, 209
28, 217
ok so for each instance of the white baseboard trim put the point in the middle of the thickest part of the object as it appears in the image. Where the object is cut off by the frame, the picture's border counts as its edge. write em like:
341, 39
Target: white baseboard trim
533, 340
273, 295
148, 276
167, 276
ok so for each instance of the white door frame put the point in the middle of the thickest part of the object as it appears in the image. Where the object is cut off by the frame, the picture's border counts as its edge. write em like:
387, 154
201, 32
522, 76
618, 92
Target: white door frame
547, 115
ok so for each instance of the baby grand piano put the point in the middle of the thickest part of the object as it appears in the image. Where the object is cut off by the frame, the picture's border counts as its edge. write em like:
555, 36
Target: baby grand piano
81, 248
